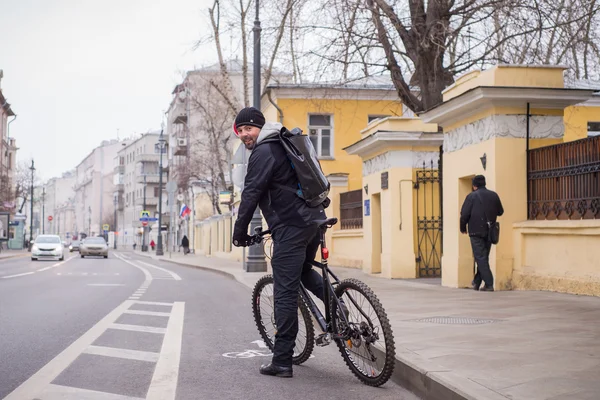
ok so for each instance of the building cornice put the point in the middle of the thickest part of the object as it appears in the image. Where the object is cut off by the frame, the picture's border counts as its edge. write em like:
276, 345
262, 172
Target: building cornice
485, 97
382, 140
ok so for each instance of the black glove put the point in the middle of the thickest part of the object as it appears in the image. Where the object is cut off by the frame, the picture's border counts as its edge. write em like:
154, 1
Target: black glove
241, 239
326, 202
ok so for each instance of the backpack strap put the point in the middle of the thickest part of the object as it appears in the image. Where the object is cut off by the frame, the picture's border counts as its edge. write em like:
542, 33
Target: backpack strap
297, 192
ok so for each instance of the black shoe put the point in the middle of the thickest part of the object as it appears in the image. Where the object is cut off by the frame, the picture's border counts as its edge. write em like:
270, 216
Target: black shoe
475, 286
275, 370
487, 289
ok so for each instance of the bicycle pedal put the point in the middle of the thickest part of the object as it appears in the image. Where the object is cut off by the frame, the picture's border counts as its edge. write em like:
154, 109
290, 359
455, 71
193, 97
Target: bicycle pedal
323, 339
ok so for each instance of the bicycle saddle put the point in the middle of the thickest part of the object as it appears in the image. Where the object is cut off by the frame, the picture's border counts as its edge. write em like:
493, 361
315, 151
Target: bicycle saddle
326, 222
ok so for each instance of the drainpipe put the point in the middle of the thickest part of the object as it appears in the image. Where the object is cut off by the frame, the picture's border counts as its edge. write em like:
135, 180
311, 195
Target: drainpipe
280, 111
527, 160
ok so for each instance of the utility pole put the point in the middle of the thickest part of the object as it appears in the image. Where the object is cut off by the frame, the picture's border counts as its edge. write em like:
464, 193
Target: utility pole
159, 244
115, 230
144, 245
32, 168
43, 210
256, 258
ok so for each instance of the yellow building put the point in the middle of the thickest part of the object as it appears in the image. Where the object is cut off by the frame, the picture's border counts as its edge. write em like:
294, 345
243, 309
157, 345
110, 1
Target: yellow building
508, 123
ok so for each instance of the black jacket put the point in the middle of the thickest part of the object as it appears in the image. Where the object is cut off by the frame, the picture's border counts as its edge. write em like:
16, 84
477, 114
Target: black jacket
472, 212
268, 167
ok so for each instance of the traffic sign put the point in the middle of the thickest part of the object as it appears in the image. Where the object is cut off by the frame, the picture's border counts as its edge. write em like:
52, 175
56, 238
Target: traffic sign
171, 186
144, 223
145, 214
50, 218
105, 227
149, 219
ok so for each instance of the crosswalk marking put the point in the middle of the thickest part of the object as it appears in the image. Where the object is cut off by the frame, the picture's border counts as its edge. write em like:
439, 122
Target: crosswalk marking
154, 313
138, 328
122, 353
59, 392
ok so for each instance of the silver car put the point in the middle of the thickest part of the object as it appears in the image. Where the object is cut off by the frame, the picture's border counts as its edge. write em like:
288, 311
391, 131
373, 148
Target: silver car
93, 246
47, 247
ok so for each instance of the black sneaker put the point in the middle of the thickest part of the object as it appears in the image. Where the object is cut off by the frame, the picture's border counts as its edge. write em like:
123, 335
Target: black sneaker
487, 289
275, 370
474, 285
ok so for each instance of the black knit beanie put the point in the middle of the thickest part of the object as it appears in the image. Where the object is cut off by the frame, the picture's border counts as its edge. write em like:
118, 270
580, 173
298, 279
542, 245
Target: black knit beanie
249, 116
479, 181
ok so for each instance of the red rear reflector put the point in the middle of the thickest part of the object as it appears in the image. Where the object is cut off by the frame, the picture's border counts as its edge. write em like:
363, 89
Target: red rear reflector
325, 253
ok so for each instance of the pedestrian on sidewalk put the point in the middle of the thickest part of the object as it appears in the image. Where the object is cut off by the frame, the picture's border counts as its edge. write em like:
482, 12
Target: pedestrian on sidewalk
291, 221
479, 211
152, 244
185, 243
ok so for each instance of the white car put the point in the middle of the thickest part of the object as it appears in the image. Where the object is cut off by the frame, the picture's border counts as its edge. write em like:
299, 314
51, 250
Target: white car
47, 247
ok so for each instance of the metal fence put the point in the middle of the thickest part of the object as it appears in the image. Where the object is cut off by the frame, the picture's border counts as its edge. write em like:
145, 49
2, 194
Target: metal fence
564, 181
351, 216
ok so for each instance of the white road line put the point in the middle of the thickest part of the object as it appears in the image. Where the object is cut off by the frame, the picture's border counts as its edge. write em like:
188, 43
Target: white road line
154, 303
106, 284
164, 380
59, 273
62, 262
137, 328
142, 312
58, 392
43, 269
122, 353
173, 274
144, 270
14, 276
31, 387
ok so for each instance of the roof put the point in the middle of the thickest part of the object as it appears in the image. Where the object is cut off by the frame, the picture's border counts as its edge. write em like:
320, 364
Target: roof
6, 105
588, 84
381, 82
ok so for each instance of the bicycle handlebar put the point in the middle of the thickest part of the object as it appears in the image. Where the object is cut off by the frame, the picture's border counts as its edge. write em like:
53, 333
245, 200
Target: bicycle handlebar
257, 237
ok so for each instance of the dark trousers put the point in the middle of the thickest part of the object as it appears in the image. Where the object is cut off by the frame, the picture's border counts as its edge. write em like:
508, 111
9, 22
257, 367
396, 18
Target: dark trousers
481, 252
293, 248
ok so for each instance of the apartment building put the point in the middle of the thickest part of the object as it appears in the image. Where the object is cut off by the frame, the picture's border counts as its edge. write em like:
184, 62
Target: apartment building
136, 181
59, 204
94, 188
8, 150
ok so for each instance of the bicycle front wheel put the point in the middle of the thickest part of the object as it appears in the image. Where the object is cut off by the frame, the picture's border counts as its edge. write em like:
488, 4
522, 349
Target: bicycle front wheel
368, 344
263, 309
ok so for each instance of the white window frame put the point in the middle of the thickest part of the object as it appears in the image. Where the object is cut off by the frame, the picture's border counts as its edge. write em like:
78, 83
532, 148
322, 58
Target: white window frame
319, 128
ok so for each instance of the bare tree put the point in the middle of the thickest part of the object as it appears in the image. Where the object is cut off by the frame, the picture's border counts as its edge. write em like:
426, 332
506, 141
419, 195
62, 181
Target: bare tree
22, 184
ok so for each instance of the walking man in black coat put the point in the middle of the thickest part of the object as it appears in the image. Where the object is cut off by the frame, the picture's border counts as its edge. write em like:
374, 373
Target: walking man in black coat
480, 207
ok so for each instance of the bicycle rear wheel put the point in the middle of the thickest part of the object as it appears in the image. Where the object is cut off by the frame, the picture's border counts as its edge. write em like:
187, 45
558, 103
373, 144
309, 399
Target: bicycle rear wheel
368, 345
263, 309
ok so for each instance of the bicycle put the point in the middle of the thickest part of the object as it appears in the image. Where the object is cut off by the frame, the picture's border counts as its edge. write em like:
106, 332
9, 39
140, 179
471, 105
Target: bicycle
336, 326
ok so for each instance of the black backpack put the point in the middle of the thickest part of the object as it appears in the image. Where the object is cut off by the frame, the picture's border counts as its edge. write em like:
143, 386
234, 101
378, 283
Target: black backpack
313, 186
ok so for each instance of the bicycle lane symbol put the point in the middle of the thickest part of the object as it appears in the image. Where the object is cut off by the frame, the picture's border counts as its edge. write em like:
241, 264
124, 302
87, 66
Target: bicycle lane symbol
248, 353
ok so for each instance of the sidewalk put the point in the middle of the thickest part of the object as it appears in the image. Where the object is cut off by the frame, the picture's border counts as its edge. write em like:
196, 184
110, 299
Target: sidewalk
13, 253
462, 344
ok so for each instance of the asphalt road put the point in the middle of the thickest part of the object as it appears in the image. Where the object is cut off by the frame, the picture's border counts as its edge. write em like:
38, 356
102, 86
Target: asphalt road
129, 327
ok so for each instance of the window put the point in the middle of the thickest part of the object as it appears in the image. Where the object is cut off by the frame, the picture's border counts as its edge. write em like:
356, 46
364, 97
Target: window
156, 193
593, 128
320, 132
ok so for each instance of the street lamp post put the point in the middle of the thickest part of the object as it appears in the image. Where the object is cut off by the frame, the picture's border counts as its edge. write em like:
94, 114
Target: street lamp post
32, 168
115, 230
144, 245
159, 244
256, 258
43, 210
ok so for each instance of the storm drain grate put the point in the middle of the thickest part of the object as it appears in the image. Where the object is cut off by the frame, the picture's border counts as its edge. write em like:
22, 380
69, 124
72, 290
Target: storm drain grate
455, 320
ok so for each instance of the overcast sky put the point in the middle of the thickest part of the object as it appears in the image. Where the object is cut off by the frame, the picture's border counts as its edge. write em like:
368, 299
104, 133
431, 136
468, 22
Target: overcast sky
76, 71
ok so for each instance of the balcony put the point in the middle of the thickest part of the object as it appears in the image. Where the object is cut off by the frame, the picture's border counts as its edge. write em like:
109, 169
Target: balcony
150, 178
148, 158
120, 187
181, 147
120, 169
180, 119
150, 201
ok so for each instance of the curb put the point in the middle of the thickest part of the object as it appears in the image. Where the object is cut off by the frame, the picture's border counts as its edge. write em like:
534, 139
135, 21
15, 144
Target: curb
411, 371
13, 256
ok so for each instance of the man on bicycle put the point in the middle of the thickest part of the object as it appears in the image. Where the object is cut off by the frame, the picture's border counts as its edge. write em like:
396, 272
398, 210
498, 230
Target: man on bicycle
291, 221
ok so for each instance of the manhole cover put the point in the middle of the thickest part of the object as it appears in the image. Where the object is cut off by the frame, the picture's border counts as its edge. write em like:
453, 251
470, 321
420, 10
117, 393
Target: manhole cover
455, 320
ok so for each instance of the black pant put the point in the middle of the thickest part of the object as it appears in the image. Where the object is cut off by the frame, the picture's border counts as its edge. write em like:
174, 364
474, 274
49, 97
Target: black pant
481, 252
293, 248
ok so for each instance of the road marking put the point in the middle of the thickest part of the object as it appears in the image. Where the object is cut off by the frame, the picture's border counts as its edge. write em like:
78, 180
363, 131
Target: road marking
62, 262
14, 276
260, 343
137, 328
173, 274
106, 284
58, 392
154, 303
122, 353
164, 380
154, 313
43, 269
144, 270
41, 379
